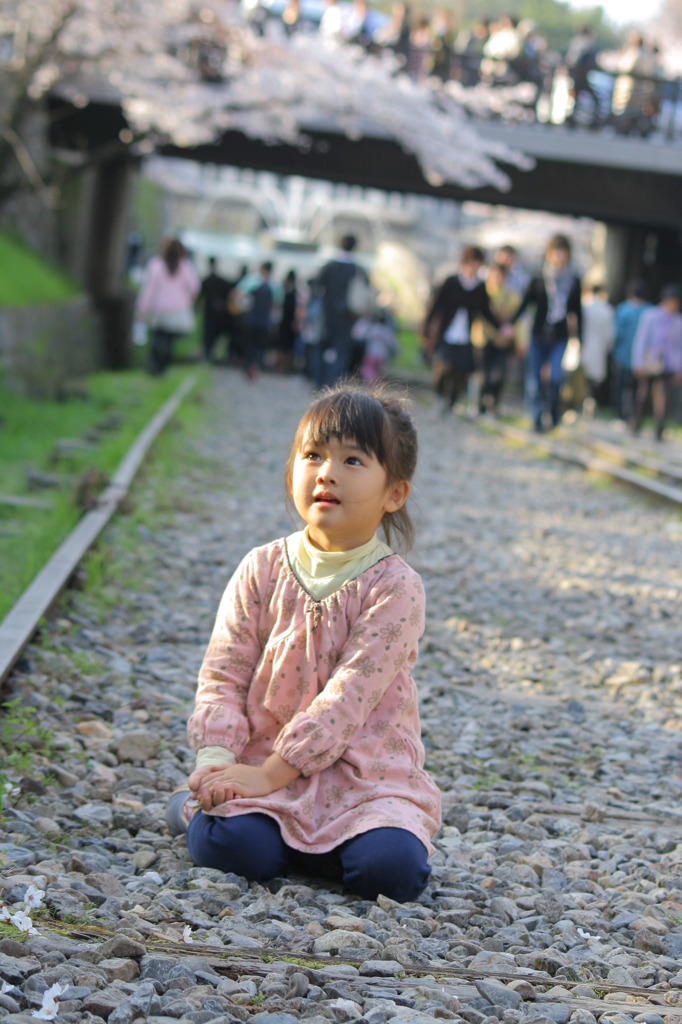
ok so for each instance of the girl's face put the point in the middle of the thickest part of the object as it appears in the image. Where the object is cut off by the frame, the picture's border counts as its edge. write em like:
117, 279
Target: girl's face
470, 269
342, 493
558, 259
495, 278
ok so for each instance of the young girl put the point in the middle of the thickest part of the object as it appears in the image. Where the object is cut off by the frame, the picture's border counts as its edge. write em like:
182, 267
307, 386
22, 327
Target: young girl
306, 725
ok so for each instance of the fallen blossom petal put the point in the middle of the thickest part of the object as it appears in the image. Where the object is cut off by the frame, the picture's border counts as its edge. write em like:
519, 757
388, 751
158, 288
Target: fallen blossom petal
23, 922
187, 934
50, 1005
34, 897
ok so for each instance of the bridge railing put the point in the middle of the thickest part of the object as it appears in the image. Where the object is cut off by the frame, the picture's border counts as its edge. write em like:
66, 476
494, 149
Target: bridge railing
621, 103
528, 87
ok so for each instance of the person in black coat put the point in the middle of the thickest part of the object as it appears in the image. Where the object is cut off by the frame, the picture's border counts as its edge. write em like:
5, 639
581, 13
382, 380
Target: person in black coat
288, 324
214, 292
447, 328
555, 297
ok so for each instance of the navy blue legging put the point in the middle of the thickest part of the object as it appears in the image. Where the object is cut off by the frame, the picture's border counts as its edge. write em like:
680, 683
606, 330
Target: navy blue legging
391, 861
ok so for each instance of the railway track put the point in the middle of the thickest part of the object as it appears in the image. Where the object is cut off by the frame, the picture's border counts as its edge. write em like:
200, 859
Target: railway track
625, 460
19, 625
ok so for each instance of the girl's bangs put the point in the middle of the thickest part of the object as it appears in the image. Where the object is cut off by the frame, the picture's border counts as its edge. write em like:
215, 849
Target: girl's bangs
347, 415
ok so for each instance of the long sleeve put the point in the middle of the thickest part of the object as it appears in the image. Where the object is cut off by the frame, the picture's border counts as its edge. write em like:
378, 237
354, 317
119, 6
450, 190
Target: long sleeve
382, 647
434, 314
574, 304
530, 298
484, 308
220, 717
190, 280
641, 342
150, 286
610, 327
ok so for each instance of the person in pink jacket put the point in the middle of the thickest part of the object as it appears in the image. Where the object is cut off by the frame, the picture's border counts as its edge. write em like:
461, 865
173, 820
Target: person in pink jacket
166, 301
306, 725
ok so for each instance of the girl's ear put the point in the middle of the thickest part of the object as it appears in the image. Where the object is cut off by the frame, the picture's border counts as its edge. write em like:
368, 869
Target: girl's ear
397, 495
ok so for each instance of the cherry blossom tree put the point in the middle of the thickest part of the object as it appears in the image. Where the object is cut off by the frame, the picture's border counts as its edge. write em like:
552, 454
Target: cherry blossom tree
668, 32
186, 71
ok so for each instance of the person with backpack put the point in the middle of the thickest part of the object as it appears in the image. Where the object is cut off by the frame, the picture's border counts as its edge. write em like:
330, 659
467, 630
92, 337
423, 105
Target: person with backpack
258, 323
346, 295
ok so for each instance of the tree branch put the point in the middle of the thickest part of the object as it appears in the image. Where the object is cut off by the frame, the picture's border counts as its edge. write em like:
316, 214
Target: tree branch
28, 167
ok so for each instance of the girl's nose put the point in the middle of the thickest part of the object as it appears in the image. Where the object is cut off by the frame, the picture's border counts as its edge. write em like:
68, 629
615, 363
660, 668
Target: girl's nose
326, 471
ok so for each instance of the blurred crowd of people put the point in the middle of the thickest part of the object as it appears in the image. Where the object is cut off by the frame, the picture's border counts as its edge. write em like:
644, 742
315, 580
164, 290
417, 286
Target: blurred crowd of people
328, 327
559, 331
586, 84
490, 317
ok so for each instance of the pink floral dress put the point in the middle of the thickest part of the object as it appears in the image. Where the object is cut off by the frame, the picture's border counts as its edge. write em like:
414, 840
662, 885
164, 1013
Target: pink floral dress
327, 685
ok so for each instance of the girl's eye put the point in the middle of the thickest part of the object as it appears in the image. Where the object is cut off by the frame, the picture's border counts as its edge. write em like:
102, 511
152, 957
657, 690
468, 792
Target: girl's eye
353, 460
310, 456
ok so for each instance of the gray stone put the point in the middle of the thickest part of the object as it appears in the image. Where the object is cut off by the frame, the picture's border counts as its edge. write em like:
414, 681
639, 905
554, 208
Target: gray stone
493, 962
498, 994
75, 992
673, 944
523, 988
119, 969
160, 968
138, 746
560, 1013
504, 907
339, 938
621, 976
9, 1004
103, 1003
381, 968
299, 984
121, 946
582, 1016
94, 814
17, 856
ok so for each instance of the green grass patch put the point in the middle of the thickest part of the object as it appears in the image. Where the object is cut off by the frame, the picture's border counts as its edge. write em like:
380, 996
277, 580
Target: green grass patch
116, 408
26, 279
169, 482
409, 358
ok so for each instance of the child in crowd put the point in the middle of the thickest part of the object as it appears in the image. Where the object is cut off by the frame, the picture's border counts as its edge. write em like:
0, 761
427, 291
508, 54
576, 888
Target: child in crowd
496, 346
377, 336
306, 728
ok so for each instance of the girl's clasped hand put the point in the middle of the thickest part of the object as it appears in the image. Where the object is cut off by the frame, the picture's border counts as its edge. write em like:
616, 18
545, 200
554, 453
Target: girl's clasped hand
213, 786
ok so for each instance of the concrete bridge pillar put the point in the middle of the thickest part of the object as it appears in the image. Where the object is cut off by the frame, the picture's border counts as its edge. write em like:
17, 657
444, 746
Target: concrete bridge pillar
94, 235
655, 255
106, 248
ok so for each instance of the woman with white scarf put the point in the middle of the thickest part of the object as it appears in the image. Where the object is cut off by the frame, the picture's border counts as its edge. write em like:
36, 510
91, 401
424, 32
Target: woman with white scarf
555, 297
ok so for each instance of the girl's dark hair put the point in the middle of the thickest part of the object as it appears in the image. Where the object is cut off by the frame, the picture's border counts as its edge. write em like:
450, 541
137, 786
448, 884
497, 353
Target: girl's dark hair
472, 254
379, 422
559, 242
173, 253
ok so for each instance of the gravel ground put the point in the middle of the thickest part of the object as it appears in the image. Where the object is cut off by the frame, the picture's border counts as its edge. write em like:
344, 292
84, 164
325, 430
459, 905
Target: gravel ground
550, 675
